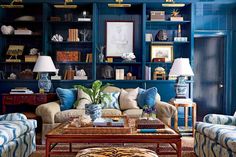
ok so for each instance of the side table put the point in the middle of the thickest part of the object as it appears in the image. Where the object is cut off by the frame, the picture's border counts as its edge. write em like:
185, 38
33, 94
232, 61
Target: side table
26, 99
185, 106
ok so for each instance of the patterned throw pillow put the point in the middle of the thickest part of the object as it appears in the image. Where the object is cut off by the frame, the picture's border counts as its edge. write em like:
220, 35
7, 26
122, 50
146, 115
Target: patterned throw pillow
113, 102
67, 98
147, 97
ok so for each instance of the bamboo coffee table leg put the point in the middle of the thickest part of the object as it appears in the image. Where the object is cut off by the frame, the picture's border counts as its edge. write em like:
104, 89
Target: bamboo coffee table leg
47, 148
179, 148
70, 147
158, 148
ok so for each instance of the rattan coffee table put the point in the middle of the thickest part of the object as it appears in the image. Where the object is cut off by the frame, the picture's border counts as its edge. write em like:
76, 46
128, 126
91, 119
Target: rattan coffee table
166, 135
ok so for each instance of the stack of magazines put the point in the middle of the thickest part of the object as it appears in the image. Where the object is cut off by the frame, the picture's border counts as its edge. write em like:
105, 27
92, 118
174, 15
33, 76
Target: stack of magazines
21, 90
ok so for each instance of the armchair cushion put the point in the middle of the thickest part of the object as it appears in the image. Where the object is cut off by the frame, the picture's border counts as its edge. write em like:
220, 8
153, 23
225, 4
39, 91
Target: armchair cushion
147, 97
10, 130
67, 98
220, 119
225, 135
12, 117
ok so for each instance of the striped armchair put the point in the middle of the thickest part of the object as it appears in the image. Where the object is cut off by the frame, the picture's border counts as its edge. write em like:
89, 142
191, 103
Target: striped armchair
216, 136
17, 135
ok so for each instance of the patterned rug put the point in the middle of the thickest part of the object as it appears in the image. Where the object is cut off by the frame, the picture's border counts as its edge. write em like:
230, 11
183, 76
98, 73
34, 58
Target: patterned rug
187, 148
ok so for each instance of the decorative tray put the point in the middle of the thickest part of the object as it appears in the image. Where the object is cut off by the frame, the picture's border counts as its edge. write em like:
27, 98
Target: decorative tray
126, 129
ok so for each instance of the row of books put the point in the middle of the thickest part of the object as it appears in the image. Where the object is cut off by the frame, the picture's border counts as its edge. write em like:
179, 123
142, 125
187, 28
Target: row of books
73, 35
21, 90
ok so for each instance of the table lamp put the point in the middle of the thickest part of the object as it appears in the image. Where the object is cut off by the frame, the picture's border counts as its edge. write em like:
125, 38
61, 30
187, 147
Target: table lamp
181, 68
43, 66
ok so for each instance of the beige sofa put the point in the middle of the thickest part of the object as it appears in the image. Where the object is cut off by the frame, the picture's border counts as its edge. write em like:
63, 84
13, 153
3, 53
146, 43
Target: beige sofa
52, 115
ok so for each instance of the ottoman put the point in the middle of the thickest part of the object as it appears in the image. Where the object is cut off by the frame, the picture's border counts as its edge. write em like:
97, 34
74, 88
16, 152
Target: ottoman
116, 151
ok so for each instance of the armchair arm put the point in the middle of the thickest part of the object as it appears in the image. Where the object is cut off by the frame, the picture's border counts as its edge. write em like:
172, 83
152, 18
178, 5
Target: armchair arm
47, 111
12, 117
220, 119
165, 112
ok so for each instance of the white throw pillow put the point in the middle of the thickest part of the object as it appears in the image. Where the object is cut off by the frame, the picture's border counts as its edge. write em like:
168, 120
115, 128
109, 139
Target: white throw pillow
128, 99
82, 102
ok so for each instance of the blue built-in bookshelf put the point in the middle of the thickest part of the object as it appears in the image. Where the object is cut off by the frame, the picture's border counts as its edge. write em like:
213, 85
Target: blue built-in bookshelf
100, 13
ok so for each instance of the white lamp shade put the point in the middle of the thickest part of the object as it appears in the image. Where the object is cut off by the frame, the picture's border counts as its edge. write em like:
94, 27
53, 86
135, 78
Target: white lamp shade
44, 64
181, 67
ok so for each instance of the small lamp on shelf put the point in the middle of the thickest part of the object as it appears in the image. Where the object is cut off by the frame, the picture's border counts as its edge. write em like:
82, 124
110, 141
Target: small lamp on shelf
181, 68
43, 66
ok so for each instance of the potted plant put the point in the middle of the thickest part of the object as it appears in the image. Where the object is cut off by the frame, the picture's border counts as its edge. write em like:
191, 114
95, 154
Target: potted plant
96, 97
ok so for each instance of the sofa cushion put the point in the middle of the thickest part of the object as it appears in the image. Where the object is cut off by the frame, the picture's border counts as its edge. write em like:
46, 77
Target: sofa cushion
67, 98
111, 112
66, 115
112, 102
10, 130
225, 135
82, 100
111, 89
147, 97
133, 112
128, 99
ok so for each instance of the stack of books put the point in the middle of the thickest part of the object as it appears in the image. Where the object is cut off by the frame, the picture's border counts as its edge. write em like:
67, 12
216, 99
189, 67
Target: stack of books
182, 100
150, 125
147, 73
120, 73
21, 90
73, 35
185, 131
84, 19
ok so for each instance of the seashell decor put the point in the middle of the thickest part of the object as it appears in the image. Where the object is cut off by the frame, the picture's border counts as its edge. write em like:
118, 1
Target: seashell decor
7, 30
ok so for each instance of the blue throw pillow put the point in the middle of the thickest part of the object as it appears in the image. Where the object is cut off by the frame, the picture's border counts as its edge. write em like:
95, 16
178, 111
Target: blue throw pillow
147, 97
67, 98
113, 102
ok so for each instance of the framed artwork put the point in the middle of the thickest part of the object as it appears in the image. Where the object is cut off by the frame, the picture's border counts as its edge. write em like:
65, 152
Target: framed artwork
119, 38
162, 52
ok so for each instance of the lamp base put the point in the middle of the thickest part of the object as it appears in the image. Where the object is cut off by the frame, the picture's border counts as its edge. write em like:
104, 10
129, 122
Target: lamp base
44, 83
181, 87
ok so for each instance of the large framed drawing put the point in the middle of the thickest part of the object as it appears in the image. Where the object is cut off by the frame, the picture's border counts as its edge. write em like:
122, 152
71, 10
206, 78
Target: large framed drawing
119, 38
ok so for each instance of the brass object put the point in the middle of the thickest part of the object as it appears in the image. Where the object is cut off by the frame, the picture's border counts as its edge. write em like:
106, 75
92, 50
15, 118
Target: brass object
175, 13
65, 5
118, 4
159, 73
14, 51
12, 5
171, 3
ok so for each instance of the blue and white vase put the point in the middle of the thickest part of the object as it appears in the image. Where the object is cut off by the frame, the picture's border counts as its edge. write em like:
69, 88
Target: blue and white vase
44, 82
94, 110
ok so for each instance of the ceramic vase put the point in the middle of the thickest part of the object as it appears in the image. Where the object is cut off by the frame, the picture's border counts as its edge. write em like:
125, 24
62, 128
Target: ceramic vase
94, 110
44, 83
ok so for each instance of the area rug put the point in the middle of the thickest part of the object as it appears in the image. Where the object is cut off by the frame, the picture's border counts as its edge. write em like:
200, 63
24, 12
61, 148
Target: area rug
187, 148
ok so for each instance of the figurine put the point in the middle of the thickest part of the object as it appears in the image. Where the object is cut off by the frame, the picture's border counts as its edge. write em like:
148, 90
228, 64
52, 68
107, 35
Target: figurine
12, 76
80, 75
107, 72
128, 57
57, 38
34, 51
175, 13
6, 30
159, 73
85, 34
101, 55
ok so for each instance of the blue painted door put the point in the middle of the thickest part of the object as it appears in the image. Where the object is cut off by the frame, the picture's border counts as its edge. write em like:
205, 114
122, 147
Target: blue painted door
209, 75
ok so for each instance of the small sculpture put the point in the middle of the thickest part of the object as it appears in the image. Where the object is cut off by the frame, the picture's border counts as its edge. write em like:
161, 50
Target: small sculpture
159, 73
57, 38
162, 35
34, 51
107, 72
56, 76
101, 54
85, 34
128, 57
6, 30
12, 76
80, 75
175, 13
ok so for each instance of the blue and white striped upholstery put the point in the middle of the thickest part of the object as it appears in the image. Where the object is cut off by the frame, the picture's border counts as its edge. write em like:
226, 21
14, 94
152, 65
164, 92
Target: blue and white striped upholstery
17, 135
212, 139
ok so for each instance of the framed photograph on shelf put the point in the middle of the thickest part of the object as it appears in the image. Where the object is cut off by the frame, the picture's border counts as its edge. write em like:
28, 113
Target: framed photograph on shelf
119, 38
162, 53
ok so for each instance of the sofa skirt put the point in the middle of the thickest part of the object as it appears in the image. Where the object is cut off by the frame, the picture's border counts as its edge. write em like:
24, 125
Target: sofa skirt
205, 147
22, 146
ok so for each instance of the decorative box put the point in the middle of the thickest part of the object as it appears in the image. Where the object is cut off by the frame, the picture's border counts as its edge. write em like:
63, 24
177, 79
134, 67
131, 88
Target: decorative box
157, 15
31, 58
158, 60
149, 124
68, 56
